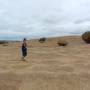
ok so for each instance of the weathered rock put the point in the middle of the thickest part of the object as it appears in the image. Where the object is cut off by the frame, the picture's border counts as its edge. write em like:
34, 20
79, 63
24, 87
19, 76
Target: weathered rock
62, 43
42, 40
86, 37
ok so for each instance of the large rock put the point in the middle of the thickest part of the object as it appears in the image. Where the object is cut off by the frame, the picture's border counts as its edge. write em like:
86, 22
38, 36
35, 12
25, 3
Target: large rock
62, 42
86, 37
42, 40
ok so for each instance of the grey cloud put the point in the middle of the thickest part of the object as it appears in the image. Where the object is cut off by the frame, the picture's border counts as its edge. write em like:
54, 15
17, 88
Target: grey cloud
37, 18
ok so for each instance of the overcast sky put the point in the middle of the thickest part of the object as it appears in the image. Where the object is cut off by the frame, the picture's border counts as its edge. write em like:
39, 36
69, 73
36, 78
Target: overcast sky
41, 18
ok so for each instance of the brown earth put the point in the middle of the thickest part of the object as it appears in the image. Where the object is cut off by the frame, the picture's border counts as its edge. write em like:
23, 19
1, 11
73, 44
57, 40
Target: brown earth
47, 66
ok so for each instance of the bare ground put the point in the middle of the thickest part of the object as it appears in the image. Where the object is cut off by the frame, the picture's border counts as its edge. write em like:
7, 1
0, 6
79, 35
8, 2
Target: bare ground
47, 66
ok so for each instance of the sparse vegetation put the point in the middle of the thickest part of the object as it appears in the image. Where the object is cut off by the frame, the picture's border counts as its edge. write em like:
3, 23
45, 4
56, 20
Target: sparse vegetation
86, 37
62, 42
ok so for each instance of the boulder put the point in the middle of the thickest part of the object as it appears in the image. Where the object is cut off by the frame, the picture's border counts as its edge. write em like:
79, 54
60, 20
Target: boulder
86, 37
62, 43
42, 40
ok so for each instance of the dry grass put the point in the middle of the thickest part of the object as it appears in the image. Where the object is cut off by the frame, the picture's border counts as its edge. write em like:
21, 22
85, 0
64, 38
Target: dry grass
48, 66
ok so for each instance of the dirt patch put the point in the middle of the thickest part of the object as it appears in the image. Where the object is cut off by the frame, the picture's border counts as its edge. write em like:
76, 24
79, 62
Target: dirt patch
9, 81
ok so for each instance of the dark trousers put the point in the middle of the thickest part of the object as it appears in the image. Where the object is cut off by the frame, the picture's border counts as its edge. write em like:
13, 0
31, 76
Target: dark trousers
24, 51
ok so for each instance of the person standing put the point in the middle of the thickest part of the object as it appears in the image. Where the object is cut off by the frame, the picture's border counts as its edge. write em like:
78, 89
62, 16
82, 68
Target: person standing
24, 49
